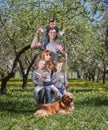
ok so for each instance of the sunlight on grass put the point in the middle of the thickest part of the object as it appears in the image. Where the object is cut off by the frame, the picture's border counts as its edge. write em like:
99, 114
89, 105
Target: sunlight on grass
91, 108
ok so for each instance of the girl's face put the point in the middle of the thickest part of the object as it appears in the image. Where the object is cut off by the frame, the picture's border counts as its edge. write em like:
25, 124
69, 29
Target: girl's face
59, 67
47, 57
41, 65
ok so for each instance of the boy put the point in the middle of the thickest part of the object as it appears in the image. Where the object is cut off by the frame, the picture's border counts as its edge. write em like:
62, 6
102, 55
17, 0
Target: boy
59, 79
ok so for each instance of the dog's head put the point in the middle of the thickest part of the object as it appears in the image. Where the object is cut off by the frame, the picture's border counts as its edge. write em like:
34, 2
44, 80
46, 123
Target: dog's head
68, 99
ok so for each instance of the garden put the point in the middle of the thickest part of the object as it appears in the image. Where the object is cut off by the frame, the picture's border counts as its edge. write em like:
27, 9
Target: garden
84, 24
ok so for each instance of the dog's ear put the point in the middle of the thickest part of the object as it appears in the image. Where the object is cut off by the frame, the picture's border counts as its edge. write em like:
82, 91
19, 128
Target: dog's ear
64, 98
62, 104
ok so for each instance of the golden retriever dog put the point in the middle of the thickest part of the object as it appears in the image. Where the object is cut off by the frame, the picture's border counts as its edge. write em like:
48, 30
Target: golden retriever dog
63, 106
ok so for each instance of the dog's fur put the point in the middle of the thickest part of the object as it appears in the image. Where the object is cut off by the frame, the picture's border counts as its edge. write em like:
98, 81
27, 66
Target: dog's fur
63, 106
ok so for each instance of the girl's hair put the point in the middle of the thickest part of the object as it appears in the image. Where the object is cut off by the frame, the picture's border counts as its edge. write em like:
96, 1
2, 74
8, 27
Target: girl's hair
49, 63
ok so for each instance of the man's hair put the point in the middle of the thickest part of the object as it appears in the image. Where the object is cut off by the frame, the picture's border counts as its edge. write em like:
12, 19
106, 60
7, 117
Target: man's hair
52, 29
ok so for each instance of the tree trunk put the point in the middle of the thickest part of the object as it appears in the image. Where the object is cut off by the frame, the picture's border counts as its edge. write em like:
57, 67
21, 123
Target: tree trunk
11, 74
104, 72
98, 75
4, 82
104, 77
25, 78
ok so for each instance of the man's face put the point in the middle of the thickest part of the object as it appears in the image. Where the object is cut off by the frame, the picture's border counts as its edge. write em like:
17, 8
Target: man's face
52, 24
52, 34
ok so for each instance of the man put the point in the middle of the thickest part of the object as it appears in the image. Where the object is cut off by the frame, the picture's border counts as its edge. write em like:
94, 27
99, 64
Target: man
54, 44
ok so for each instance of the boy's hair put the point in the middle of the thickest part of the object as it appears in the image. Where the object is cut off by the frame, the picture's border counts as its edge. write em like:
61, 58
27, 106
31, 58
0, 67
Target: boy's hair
51, 20
59, 62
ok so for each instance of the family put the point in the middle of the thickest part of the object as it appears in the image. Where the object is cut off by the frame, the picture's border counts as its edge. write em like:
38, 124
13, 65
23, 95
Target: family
48, 77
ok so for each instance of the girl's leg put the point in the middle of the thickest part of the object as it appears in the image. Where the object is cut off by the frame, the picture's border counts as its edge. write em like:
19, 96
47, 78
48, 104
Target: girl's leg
35, 96
48, 95
41, 96
36, 92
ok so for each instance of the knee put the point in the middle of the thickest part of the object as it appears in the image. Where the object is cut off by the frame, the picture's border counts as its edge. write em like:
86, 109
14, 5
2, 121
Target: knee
47, 89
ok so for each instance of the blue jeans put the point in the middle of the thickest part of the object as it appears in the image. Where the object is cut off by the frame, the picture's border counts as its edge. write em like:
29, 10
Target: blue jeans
62, 90
48, 95
45, 92
41, 96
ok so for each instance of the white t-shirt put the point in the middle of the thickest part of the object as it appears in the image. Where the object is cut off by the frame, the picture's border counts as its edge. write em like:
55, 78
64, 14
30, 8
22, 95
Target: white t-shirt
51, 46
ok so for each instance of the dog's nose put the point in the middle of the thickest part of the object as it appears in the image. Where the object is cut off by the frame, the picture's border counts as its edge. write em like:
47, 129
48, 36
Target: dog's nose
71, 100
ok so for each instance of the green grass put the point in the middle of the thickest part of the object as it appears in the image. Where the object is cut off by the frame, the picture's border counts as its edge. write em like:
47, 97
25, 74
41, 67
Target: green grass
91, 109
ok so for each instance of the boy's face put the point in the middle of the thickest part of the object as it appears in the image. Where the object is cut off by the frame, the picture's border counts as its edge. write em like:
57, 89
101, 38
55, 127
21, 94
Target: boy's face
59, 67
52, 24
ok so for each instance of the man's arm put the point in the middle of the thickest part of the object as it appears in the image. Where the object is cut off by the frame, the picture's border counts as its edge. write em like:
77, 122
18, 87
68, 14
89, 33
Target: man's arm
60, 48
35, 43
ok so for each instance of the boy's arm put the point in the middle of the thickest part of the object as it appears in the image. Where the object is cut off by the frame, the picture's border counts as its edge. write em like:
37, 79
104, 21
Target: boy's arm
62, 32
35, 43
54, 78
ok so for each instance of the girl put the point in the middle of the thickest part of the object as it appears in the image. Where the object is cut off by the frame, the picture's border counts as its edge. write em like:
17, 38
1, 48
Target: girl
38, 78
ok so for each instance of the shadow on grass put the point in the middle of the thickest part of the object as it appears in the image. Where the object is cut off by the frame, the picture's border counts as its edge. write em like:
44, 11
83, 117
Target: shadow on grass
18, 106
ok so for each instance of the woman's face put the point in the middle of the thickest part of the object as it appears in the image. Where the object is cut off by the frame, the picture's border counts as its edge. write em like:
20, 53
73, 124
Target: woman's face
47, 57
42, 64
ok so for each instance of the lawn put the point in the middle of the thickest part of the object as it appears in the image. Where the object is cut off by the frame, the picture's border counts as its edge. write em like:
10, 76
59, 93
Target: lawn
91, 109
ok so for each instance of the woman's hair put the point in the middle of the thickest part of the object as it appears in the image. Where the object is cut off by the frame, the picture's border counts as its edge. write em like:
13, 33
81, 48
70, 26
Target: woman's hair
49, 63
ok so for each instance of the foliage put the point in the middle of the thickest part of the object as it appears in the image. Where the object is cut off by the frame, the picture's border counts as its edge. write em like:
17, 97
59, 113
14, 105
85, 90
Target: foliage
83, 41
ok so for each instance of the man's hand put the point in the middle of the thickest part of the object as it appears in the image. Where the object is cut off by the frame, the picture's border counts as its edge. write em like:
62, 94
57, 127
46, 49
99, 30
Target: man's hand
38, 31
59, 47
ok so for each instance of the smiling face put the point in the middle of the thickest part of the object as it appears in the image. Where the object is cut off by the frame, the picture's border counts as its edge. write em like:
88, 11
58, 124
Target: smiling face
52, 34
52, 24
41, 64
46, 55
59, 66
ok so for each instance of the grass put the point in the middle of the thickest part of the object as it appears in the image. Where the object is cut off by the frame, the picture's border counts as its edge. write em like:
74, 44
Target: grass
91, 109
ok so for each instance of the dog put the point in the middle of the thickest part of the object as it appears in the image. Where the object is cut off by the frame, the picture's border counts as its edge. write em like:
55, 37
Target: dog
63, 106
